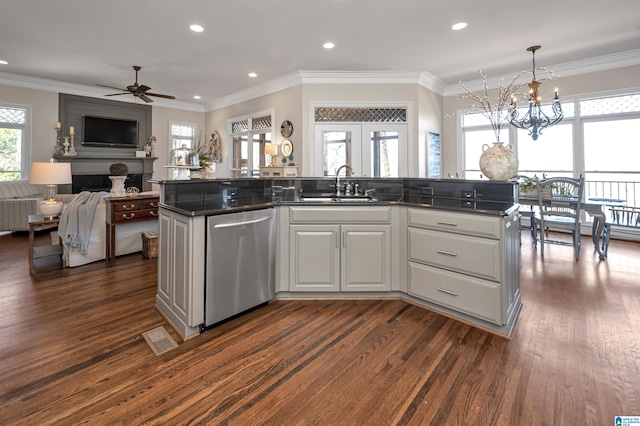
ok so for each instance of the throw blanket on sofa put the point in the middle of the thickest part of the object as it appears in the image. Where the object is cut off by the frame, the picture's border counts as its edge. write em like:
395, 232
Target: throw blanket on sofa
76, 222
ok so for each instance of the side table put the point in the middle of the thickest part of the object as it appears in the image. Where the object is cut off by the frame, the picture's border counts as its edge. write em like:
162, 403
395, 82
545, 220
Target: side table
134, 208
45, 255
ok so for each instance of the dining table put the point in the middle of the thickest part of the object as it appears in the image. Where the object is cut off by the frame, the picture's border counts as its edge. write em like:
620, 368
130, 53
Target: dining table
595, 208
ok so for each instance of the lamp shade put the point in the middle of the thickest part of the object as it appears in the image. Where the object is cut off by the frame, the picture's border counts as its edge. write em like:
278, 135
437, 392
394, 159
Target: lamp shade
50, 173
271, 149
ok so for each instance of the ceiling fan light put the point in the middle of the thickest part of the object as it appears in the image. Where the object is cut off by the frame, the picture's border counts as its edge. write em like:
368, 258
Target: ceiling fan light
459, 26
328, 45
252, 75
196, 28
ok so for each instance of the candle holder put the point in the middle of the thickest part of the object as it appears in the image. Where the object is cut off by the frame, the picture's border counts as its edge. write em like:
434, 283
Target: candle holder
66, 146
58, 149
72, 148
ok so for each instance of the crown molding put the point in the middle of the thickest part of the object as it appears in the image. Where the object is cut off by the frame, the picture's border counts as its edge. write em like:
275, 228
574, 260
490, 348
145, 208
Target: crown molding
600, 63
88, 91
330, 77
272, 86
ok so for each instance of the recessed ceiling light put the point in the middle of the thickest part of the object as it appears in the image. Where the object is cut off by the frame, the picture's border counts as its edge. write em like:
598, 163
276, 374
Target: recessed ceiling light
252, 75
196, 97
3, 62
196, 28
328, 45
459, 26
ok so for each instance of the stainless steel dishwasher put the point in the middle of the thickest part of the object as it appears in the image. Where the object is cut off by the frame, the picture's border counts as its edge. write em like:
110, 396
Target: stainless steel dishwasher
240, 270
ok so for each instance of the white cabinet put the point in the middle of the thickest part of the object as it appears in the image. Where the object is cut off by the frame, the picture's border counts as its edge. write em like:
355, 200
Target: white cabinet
181, 253
468, 263
332, 257
315, 260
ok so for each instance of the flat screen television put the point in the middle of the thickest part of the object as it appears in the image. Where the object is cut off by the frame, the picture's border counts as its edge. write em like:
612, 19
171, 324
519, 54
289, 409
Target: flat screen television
109, 132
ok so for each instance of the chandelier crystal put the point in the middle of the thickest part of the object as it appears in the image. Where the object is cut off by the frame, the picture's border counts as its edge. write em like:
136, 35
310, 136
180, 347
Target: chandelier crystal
535, 119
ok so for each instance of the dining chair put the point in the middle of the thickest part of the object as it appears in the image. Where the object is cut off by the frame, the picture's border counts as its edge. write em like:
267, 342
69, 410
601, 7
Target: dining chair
559, 201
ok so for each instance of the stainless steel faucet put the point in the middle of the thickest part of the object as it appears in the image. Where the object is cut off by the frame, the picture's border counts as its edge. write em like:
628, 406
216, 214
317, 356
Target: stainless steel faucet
338, 177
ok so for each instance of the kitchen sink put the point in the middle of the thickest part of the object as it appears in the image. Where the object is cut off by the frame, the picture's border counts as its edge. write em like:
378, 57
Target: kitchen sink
334, 199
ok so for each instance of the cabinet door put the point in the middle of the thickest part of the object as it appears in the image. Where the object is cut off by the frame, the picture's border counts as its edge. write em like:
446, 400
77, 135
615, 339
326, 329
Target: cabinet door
366, 258
315, 258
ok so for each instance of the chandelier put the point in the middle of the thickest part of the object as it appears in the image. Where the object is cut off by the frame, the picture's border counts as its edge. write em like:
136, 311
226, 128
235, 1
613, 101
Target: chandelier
535, 120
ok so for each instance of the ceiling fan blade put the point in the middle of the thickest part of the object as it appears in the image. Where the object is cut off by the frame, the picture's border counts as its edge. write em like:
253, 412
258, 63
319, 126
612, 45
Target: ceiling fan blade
110, 87
116, 94
160, 95
145, 98
143, 88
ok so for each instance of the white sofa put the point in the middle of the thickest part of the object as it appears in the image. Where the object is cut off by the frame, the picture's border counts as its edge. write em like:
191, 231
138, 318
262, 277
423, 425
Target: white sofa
128, 237
18, 200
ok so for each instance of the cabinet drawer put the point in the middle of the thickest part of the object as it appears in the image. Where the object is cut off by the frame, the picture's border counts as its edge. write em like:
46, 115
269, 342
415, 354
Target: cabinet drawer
150, 204
127, 206
302, 214
460, 223
122, 217
471, 255
456, 291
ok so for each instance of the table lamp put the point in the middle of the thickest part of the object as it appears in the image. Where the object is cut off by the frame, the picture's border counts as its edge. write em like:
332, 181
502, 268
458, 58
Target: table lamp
50, 174
271, 150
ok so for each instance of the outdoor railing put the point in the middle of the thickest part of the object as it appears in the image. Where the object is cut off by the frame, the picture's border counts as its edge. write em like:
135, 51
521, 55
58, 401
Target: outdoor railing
627, 191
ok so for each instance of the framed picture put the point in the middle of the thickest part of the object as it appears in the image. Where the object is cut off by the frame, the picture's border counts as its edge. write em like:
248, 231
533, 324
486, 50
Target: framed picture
433, 155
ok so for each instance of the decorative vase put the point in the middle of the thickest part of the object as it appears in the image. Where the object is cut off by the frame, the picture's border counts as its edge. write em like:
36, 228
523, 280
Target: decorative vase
117, 186
498, 162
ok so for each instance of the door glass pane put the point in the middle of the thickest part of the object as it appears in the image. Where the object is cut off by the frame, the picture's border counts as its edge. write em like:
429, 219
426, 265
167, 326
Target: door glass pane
551, 154
240, 156
384, 154
336, 148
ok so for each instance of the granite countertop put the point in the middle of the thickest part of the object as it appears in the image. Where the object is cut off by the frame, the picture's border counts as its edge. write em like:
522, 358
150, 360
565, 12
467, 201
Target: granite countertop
215, 207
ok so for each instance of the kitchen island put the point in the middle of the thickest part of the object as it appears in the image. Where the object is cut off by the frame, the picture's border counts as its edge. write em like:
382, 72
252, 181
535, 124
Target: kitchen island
448, 245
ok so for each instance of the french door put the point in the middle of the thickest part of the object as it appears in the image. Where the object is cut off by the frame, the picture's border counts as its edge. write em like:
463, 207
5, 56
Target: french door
371, 149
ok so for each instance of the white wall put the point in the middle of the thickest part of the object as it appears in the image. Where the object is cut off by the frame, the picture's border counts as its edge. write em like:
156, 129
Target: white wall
44, 110
160, 129
287, 106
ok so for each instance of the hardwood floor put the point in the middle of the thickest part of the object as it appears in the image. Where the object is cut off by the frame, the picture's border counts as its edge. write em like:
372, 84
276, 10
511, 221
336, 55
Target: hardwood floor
71, 352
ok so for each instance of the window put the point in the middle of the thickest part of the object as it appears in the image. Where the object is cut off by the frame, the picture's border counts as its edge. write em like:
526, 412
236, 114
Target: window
249, 157
182, 134
14, 158
598, 138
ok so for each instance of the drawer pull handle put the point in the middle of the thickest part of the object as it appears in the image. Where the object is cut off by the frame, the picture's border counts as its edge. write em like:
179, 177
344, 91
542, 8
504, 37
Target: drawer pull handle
448, 253
444, 290
448, 223
153, 213
153, 204
124, 216
131, 207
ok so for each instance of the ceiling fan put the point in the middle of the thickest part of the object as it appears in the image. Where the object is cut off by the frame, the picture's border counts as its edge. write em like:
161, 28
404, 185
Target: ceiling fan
137, 90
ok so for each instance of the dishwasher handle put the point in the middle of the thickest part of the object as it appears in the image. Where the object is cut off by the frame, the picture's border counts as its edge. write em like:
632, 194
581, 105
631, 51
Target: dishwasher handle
241, 223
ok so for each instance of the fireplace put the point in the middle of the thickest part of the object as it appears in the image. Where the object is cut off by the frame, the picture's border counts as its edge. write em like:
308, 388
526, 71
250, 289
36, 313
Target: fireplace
96, 183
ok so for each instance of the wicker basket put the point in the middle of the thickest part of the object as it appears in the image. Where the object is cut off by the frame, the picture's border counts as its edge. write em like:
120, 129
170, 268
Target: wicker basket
150, 245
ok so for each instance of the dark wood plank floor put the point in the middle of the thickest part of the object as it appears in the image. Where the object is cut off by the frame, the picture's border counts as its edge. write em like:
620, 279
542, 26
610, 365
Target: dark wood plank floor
71, 352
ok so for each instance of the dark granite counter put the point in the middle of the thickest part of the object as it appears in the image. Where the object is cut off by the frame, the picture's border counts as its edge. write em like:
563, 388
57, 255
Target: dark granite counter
220, 196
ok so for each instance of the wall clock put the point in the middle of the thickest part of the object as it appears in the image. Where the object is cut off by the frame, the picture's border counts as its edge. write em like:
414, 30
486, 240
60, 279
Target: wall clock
286, 129
286, 148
